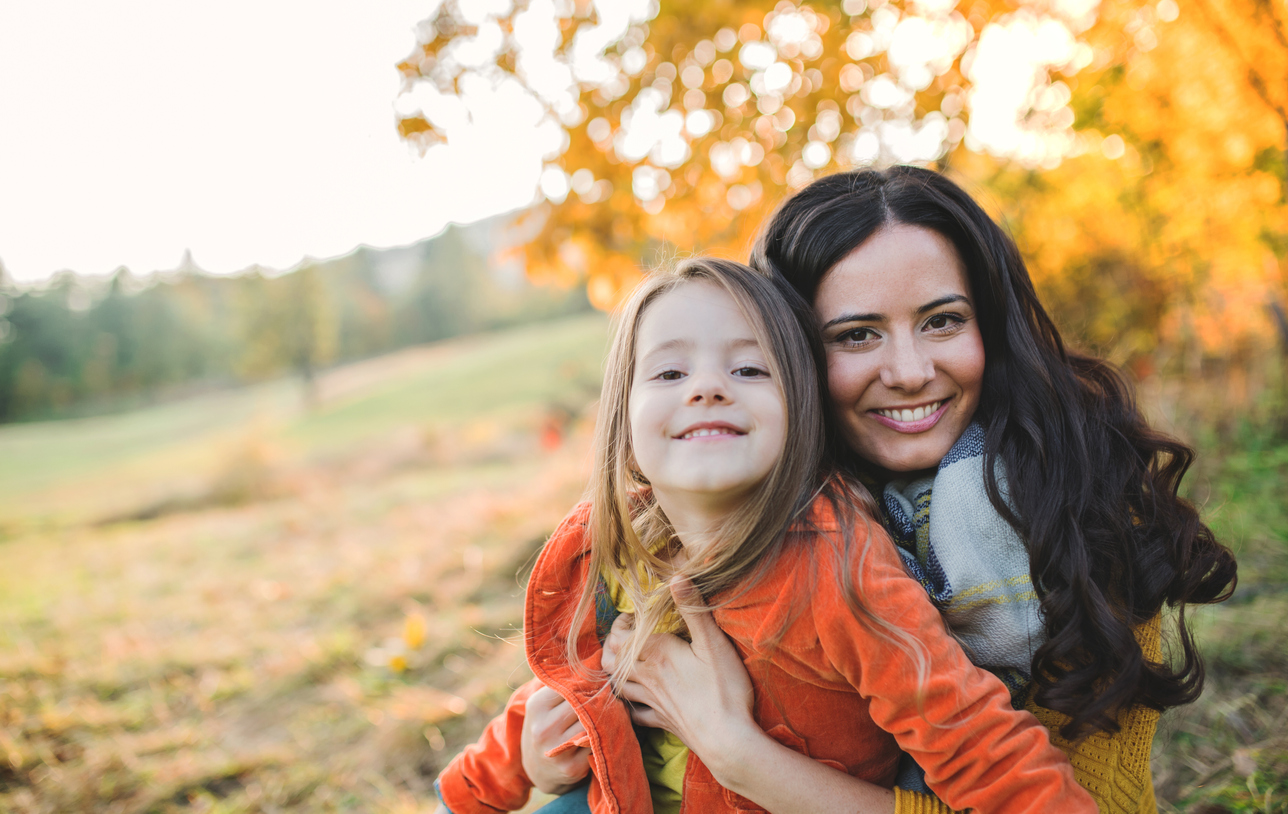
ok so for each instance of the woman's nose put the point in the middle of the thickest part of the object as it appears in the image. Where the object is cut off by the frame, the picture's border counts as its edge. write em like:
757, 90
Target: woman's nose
907, 367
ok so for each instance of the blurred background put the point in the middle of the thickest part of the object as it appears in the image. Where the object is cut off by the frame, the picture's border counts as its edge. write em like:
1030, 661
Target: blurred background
302, 311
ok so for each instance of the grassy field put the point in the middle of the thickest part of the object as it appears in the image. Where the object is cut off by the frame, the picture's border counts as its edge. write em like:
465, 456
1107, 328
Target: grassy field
236, 604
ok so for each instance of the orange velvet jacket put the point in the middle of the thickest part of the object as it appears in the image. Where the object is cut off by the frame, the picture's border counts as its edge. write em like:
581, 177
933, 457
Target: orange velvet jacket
825, 685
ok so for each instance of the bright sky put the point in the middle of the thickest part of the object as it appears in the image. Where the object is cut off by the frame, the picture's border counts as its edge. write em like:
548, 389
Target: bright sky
246, 131
254, 132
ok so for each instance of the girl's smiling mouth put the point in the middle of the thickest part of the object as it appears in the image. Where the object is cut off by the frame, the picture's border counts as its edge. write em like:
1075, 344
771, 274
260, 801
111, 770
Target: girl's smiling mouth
710, 429
912, 419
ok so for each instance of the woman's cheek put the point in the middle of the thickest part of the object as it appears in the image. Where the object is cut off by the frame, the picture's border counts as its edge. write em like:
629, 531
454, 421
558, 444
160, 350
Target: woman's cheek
846, 381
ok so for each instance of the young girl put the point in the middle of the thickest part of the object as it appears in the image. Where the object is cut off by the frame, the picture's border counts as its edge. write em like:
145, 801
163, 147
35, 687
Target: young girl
710, 468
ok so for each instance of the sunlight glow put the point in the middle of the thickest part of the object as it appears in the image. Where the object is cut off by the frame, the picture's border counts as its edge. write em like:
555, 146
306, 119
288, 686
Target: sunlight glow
245, 142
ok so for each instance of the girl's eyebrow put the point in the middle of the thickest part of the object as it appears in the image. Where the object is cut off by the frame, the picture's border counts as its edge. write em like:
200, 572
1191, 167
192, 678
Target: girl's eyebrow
874, 317
670, 344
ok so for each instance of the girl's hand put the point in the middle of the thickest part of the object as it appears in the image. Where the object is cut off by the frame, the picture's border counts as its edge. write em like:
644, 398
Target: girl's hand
700, 692
547, 722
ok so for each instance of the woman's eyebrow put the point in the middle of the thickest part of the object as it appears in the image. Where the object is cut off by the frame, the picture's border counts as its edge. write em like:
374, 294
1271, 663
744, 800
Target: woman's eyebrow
951, 298
844, 318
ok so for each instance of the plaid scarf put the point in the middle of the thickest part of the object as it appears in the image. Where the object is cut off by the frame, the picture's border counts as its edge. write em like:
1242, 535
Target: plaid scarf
972, 564
970, 561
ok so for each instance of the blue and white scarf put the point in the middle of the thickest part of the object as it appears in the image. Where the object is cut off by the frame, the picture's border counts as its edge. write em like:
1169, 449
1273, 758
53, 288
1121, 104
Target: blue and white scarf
972, 564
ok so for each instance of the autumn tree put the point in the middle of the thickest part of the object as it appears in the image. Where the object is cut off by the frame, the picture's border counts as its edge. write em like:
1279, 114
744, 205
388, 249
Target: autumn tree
1166, 226
1136, 149
686, 121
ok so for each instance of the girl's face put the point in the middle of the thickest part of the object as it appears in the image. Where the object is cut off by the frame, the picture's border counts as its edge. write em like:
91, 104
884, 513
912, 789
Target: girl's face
707, 420
905, 360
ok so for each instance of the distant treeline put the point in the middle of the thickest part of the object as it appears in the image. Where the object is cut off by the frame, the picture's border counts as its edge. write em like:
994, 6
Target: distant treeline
79, 345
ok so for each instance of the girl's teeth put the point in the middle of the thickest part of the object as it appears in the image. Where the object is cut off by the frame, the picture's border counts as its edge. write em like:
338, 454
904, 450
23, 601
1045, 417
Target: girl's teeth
704, 433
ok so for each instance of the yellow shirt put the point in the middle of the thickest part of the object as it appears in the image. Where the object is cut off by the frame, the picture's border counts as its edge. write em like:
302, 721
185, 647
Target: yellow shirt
665, 755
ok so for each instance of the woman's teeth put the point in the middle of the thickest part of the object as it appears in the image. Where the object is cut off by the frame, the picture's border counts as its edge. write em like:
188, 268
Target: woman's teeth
704, 433
911, 415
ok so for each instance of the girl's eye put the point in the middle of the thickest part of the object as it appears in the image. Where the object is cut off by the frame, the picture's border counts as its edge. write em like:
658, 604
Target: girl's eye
670, 375
750, 372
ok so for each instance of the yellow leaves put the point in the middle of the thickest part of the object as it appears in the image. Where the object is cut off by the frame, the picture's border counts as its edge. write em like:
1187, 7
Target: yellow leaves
611, 281
400, 653
415, 628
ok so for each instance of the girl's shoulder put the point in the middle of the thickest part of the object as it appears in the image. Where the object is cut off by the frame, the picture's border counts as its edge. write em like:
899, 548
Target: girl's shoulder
843, 532
568, 545
839, 505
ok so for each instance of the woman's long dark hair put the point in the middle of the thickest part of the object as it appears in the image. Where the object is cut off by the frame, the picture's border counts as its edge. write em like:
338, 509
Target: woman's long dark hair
1094, 487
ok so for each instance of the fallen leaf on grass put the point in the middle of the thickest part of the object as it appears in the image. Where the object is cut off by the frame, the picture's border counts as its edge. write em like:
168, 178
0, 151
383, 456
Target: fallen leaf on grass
1243, 762
425, 705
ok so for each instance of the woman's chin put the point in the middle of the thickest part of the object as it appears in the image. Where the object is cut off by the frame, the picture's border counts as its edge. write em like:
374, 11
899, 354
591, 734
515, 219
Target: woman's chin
905, 454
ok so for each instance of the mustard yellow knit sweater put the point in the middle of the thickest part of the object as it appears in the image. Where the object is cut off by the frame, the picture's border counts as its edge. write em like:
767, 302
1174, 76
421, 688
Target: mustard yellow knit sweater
1113, 768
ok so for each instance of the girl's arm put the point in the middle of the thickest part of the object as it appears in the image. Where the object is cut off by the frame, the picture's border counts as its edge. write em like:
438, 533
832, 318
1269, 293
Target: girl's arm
954, 719
488, 776
702, 694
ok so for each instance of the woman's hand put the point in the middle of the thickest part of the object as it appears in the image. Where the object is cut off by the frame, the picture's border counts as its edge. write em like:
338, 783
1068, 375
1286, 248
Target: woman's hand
700, 692
547, 722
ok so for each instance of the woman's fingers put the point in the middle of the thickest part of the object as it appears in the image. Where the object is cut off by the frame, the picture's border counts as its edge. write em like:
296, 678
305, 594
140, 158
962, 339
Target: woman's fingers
644, 715
572, 731
704, 631
617, 636
635, 693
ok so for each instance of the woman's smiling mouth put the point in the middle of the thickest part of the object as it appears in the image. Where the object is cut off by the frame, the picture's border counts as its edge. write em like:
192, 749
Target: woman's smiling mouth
912, 419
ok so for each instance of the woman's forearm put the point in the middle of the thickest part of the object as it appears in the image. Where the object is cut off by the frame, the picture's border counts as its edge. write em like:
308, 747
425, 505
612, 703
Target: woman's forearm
784, 781
700, 691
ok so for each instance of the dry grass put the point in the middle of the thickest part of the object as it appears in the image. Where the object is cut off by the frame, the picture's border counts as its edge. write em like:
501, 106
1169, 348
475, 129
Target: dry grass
235, 605
295, 625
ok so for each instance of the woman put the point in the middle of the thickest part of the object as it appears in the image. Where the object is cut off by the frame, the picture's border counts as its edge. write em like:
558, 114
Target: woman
948, 379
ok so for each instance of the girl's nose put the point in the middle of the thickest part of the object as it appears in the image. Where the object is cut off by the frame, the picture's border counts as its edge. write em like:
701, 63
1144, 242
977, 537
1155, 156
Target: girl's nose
707, 388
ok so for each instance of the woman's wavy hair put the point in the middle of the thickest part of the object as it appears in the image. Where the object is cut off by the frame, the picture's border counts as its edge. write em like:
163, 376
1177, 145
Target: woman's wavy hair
1093, 486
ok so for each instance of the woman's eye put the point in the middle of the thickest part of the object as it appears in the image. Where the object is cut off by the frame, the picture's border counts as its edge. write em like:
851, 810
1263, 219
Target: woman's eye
858, 335
940, 322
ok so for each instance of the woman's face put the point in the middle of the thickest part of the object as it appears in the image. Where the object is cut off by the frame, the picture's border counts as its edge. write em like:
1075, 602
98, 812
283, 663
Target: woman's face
905, 360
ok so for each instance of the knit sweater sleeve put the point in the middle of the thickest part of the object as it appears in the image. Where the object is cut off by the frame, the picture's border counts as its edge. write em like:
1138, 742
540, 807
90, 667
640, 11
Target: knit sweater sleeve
1114, 769
955, 719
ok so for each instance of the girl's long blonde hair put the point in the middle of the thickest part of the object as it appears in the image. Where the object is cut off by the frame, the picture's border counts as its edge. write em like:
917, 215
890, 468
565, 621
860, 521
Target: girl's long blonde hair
631, 536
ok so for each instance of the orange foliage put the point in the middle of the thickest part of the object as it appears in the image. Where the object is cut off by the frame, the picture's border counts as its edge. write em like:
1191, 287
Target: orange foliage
1182, 240
1165, 223
744, 102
